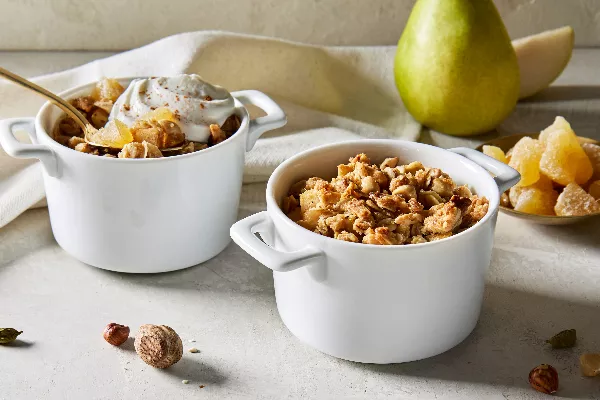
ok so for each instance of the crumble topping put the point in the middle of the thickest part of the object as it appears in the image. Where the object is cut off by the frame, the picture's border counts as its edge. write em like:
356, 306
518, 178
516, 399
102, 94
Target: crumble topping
386, 204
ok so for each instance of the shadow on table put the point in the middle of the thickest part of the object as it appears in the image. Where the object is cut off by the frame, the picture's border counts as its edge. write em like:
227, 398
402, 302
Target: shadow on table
29, 232
565, 93
128, 345
232, 269
19, 343
578, 104
584, 234
509, 341
191, 367
196, 371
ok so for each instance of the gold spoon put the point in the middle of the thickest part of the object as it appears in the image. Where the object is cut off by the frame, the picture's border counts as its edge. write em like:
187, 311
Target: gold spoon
59, 102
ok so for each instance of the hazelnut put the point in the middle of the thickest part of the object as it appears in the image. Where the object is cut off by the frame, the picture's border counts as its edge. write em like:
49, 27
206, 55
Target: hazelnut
158, 345
116, 334
544, 378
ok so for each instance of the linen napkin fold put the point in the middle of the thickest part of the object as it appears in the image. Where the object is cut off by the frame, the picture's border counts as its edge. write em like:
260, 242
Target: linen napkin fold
329, 94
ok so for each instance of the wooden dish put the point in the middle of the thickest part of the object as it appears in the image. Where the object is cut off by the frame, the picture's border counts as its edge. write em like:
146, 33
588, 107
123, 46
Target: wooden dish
506, 143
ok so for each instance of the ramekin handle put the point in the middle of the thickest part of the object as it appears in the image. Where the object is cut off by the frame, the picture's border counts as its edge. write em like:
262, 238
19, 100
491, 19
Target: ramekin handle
16, 149
274, 119
244, 232
505, 176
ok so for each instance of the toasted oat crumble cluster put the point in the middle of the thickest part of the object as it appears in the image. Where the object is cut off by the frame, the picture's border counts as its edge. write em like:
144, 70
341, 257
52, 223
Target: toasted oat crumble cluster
385, 205
154, 135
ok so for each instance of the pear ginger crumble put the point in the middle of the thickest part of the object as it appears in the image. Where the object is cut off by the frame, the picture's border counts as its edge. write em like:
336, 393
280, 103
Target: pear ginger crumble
154, 135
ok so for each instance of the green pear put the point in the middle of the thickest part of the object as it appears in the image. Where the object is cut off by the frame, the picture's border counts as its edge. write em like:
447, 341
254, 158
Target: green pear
455, 67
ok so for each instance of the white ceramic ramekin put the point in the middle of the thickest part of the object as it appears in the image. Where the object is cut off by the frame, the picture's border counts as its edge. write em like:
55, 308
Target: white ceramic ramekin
368, 303
142, 215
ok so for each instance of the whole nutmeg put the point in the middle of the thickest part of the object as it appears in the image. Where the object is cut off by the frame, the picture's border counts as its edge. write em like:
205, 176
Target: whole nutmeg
158, 345
544, 378
116, 334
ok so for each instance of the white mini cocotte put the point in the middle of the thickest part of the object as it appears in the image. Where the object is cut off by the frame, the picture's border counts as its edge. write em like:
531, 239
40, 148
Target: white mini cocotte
142, 215
370, 303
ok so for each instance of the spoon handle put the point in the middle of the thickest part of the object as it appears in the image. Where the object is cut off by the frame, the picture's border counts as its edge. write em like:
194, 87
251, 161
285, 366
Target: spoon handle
61, 103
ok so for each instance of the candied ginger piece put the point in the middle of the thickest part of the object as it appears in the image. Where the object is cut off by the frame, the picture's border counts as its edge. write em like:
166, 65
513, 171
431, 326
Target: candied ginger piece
594, 189
160, 114
593, 153
508, 155
525, 158
585, 169
564, 160
115, 135
544, 184
514, 193
575, 201
532, 200
495, 152
559, 124
107, 89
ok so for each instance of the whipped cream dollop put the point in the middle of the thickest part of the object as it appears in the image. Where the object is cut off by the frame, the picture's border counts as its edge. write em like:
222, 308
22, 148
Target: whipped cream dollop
197, 103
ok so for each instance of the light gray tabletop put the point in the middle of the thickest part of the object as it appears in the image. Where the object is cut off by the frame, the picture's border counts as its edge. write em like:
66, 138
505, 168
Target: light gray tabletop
541, 280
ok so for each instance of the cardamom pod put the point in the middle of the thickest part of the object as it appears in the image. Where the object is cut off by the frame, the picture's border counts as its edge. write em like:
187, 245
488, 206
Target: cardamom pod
563, 339
8, 335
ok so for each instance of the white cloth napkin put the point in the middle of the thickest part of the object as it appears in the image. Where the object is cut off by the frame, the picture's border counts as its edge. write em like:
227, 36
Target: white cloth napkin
329, 94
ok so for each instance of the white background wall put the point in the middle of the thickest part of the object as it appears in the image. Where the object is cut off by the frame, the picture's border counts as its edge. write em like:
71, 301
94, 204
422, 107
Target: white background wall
123, 24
